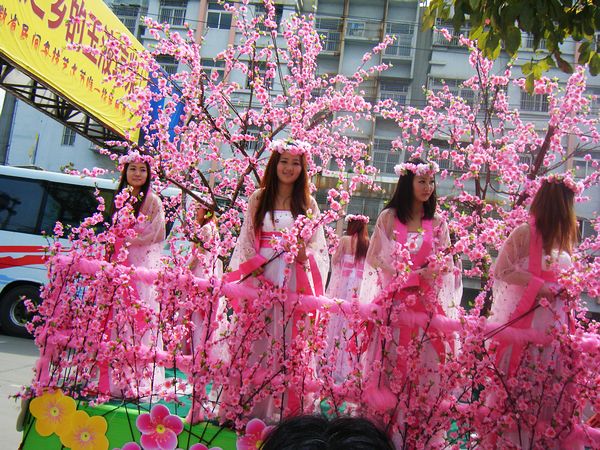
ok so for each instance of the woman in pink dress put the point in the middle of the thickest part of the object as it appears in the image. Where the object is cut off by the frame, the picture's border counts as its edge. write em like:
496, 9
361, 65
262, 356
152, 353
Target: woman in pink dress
284, 195
346, 276
526, 272
204, 263
408, 270
142, 221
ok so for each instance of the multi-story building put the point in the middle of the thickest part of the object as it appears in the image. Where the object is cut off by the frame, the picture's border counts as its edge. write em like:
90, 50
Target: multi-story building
349, 28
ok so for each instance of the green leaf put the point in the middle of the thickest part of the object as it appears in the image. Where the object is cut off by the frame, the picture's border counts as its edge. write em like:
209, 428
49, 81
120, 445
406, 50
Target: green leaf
475, 3
527, 68
526, 18
512, 11
513, 40
585, 52
562, 64
483, 40
428, 21
595, 64
529, 83
475, 33
492, 45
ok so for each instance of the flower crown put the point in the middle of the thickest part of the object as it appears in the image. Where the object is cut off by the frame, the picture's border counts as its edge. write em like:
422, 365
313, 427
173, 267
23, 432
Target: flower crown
358, 217
295, 147
429, 168
565, 178
134, 156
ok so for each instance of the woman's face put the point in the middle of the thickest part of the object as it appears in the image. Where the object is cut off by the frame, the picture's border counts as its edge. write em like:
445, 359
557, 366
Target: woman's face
423, 187
202, 215
137, 174
289, 168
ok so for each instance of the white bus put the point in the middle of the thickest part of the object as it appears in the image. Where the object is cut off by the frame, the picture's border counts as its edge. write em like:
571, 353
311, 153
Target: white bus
31, 202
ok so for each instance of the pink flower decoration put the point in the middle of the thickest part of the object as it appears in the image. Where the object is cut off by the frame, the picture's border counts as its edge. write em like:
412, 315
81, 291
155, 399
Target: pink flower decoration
203, 447
159, 429
256, 433
130, 446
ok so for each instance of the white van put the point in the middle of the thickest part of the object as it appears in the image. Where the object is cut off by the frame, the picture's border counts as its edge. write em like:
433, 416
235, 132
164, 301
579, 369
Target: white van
31, 202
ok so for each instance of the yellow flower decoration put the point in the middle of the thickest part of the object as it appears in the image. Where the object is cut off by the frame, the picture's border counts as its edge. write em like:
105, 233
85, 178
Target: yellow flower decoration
85, 432
52, 412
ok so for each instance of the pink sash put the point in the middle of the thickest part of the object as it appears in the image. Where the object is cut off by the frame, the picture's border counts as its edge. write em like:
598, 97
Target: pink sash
529, 295
419, 260
265, 240
303, 286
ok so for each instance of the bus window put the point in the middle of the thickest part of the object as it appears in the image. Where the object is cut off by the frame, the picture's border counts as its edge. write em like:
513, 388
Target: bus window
20, 202
68, 204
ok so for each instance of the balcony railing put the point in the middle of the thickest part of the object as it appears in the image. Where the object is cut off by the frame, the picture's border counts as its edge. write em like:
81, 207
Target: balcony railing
440, 39
363, 29
402, 45
330, 30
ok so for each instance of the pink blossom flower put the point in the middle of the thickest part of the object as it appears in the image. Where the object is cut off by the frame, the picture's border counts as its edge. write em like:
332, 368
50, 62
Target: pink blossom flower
129, 446
199, 446
256, 432
159, 429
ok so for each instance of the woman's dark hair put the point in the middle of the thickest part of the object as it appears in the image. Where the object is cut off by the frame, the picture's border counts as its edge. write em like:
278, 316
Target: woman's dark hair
358, 229
317, 433
300, 200
402, 200
143, 190
555, 219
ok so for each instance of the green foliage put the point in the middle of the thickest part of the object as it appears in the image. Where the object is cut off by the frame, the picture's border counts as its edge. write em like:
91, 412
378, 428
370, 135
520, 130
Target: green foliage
497, 24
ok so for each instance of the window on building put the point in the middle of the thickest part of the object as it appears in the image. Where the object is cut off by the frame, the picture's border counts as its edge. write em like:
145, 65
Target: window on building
582, 167
586, 228
394, 90
68, 137
217, 17
367, 206
455, 87
254, 145
529, 41
168, 63
131, 16
526, 160
260, 10
594, 94
355, 28
403, 32
211, 66
172, 12
259, 71
329, 29
537, 103
383, 157
440, 39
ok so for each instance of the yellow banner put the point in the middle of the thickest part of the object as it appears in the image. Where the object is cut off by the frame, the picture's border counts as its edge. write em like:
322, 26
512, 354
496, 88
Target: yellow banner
34, 34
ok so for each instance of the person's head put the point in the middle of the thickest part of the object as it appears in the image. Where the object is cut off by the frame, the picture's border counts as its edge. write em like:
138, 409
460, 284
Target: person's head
204, 214
357, 227
416, 186
138, 176
317, 433
554, 212
284, 168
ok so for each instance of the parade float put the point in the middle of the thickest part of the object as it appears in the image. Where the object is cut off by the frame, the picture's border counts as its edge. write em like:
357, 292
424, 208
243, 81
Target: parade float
116, 373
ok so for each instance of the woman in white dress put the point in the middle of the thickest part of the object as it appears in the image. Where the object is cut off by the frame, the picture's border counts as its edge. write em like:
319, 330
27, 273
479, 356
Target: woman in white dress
143, 212
527, 294
346, 276
284, 195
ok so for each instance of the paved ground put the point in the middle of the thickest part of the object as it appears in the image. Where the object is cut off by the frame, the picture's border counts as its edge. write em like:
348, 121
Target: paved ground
17, 357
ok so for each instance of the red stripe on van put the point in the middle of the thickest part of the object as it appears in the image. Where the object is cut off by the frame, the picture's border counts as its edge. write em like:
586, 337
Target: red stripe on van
22, 249
9, 261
